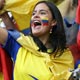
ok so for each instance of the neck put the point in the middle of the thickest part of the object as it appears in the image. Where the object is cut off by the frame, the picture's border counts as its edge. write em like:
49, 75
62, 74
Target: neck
44, 39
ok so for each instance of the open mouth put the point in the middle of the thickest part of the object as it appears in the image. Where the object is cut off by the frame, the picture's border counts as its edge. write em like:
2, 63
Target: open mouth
36, 23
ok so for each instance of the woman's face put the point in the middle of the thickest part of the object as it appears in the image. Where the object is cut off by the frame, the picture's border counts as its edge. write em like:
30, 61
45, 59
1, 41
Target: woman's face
41, 21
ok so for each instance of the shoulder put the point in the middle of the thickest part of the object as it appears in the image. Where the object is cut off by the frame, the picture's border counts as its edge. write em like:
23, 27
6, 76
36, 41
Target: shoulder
14, 33
67, 52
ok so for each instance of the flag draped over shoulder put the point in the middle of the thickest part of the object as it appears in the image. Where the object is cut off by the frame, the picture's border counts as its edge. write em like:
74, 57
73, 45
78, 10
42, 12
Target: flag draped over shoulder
21, 11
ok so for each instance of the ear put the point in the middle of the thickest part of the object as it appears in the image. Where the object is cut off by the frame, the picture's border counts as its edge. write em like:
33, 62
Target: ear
53, 23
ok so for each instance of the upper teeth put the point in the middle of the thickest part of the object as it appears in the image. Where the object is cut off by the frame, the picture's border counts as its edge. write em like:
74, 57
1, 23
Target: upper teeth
37, 21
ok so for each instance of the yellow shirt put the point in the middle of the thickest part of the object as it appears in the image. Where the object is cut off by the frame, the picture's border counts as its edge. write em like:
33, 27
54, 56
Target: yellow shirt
34, 65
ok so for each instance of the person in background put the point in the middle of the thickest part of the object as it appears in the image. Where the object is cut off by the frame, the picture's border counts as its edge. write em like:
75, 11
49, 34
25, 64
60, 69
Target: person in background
68, 11
42, 54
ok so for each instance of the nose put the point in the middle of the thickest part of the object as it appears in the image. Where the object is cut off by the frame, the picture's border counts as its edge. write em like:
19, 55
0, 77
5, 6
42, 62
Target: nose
36, 16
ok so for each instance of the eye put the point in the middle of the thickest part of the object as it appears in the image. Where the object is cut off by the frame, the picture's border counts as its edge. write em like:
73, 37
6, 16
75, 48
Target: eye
33, 13
43, 13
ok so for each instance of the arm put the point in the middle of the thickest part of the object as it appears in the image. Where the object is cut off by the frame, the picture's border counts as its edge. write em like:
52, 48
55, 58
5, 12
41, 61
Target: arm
64, 7
7, 22
9, 25
3, 35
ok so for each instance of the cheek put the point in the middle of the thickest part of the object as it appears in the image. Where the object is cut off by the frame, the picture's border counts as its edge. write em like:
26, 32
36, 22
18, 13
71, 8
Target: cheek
45, 21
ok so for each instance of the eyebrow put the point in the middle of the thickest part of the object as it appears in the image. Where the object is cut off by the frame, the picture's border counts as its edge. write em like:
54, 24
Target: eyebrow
41, 10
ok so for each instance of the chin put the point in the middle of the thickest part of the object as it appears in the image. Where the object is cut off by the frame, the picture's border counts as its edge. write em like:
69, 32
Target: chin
36, 34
